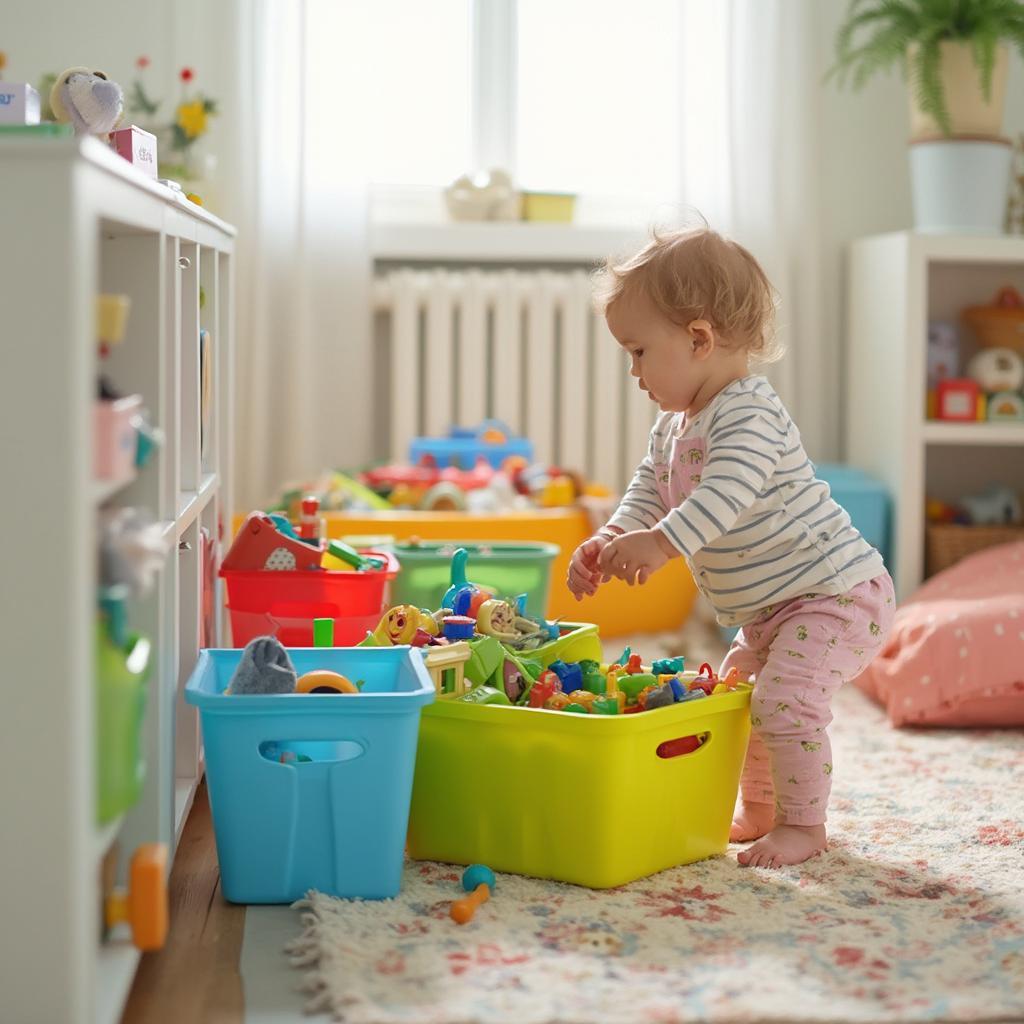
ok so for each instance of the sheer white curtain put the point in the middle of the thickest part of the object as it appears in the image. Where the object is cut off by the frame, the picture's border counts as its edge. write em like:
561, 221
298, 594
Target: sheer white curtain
748, 101
303, 360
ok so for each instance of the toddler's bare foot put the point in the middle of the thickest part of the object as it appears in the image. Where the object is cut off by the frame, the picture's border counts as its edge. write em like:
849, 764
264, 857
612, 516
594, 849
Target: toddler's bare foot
751, 821
785, 844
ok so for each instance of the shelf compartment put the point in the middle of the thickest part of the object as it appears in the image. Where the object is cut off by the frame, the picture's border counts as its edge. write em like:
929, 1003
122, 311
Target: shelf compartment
953, 471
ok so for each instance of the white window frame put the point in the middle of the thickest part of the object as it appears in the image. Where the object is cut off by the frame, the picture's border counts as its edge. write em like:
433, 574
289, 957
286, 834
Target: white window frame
420, 208
494, 35
492, 117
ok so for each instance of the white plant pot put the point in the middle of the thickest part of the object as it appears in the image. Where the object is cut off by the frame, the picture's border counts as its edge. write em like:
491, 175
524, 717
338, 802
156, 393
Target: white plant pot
960, 186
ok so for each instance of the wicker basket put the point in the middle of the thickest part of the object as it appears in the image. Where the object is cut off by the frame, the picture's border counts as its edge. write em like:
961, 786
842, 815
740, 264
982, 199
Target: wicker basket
1001, 324
947, 543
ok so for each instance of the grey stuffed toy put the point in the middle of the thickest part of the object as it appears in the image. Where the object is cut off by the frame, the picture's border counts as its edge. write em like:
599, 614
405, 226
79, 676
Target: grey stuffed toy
87, 99
263, 668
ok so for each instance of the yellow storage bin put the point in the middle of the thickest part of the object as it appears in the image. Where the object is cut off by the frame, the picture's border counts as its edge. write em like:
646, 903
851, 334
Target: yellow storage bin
577, 798
660, 605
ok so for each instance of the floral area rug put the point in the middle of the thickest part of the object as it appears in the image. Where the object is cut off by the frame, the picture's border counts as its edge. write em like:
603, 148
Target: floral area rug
916, 913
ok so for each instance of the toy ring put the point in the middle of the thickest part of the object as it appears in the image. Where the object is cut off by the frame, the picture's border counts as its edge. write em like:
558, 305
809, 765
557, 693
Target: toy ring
324, 681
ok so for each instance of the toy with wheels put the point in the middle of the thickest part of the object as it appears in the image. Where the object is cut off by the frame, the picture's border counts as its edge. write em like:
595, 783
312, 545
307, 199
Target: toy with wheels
492, 441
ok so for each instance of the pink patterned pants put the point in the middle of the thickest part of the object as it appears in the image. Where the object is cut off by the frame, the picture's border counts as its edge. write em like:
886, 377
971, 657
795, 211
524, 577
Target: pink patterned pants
801, 653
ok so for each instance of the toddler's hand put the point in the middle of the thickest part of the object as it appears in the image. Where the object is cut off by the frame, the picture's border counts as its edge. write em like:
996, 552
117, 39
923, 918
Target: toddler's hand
584, 577
633, 557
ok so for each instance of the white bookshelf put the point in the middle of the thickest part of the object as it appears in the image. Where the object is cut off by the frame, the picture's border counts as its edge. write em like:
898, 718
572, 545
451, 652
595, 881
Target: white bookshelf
77, 220
897, 284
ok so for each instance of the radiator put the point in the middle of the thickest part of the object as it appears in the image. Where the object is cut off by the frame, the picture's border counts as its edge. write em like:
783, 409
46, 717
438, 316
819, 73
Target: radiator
524, 347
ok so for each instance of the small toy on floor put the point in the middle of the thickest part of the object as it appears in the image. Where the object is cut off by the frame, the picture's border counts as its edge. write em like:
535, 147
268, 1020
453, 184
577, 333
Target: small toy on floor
478, 880
264, 668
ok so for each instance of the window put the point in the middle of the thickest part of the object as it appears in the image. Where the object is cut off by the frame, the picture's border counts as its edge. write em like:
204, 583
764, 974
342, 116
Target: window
597, 97
410, 63
570, 95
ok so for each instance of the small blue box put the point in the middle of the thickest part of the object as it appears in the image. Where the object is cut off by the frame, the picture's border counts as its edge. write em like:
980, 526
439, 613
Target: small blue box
464, 446
312, 791
867, 501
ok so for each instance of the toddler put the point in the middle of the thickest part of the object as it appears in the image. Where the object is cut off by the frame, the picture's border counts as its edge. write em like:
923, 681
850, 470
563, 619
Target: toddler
727, 485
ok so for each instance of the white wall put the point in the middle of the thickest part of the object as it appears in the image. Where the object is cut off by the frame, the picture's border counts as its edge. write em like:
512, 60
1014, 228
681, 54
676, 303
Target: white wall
864, 181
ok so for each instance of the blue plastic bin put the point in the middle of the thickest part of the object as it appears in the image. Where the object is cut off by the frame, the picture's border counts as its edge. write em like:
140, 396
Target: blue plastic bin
464, 446
336, 823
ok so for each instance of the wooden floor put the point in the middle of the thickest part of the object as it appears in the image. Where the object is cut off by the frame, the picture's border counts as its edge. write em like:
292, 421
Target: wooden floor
195, 977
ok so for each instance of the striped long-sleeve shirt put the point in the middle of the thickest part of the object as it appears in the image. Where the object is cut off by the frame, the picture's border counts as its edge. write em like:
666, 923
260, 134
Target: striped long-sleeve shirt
733, 489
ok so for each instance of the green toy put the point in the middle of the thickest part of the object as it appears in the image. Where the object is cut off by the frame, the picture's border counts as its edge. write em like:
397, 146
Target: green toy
485, 695
632, 685
485, 661
605, 706
323, 632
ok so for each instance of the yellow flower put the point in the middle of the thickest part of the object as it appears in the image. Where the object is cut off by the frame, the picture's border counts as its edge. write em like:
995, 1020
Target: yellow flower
192, 119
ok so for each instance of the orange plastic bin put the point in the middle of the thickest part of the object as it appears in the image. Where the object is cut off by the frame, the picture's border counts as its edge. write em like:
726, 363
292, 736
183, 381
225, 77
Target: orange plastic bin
663, 603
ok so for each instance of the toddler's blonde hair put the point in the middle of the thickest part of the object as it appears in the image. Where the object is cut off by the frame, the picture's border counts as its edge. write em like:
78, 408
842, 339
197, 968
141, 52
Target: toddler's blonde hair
696, 274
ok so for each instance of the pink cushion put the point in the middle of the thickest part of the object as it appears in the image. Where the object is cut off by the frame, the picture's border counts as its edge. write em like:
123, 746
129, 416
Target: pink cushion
956, 652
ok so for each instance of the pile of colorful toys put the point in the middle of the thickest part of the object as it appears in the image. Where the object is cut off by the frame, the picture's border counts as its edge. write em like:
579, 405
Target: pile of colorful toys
425, 487
623, 688
484, 470
467, 610
478, 648
471, 662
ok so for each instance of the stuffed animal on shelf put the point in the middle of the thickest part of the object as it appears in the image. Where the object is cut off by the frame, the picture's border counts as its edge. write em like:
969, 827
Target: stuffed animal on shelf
88, 100
997, 369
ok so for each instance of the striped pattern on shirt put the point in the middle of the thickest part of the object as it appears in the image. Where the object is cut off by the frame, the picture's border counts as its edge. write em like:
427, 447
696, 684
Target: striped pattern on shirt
733, 489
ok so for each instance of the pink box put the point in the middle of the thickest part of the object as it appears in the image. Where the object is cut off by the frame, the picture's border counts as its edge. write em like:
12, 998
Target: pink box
116, 438
137, 147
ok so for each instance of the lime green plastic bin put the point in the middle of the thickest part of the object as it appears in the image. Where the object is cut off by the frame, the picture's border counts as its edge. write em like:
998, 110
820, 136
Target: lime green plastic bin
596, 800
507, 568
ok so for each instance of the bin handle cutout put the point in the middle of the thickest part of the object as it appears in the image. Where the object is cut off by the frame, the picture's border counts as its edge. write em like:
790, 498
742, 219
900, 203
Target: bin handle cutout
298, 753
682, 745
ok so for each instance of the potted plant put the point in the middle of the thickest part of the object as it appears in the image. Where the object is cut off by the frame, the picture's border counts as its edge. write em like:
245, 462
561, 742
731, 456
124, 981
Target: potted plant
954, 54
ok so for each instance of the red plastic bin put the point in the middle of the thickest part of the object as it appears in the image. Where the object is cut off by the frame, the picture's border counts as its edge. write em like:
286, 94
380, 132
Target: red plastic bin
284, 604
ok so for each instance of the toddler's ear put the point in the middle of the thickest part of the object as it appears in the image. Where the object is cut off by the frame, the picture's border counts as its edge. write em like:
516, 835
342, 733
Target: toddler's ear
702, 336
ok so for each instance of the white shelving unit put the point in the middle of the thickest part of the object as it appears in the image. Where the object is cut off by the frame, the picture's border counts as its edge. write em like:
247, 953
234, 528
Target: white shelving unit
899, 283
78, 220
